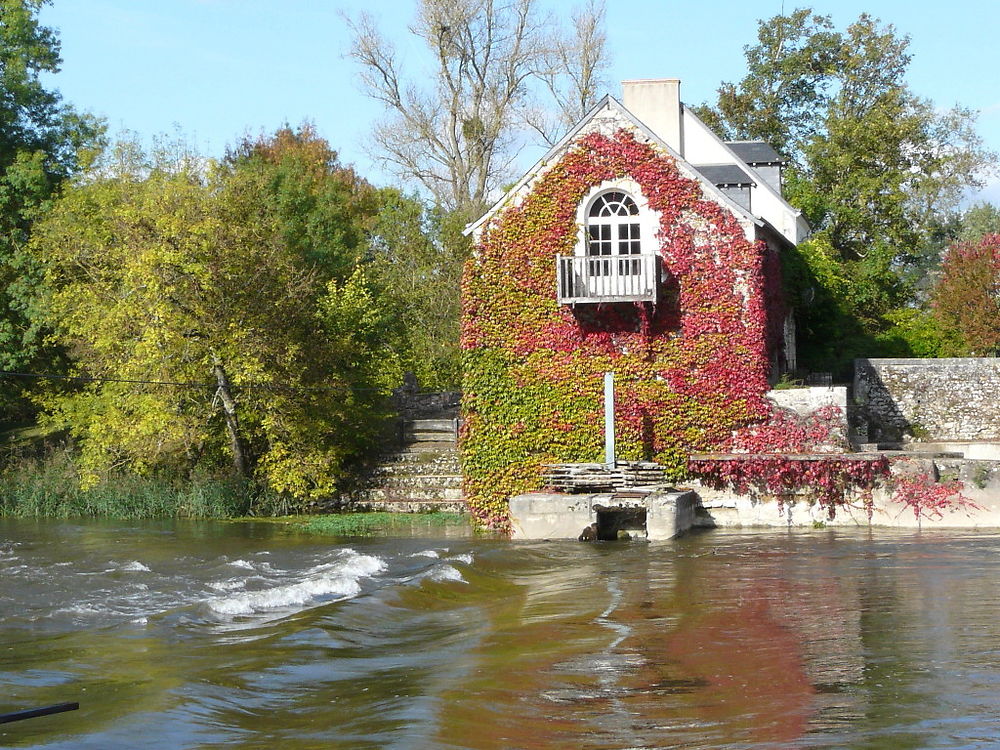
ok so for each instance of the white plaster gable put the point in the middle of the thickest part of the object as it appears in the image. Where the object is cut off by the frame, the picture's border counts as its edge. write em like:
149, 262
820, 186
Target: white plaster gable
703, 147
607, 118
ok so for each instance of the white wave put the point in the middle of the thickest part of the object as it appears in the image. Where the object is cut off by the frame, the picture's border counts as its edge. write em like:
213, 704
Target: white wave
241, 564
446, 573
426, 553
338, 579
81, 609
135, 565
464, 558
230, 584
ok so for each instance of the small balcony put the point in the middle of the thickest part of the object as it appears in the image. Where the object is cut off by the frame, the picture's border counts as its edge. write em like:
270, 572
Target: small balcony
607, 278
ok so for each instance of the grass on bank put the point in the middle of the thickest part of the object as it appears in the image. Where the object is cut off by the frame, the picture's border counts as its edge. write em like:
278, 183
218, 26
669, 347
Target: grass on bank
48, 486
380, 523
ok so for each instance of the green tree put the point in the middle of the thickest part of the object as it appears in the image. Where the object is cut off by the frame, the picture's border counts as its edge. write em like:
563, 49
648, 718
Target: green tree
416, 259
178, 272
42, 141
977, 221
325, 209
789, 73
877, 171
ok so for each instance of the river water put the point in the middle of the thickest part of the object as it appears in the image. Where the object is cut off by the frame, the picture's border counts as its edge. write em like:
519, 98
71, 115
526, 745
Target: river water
187, 635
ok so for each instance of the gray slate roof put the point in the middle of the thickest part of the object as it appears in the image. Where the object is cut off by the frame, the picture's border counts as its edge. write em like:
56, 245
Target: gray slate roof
756, 152
725, 174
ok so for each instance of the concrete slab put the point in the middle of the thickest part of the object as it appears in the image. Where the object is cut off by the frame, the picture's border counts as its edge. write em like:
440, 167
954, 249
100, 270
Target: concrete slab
554, 515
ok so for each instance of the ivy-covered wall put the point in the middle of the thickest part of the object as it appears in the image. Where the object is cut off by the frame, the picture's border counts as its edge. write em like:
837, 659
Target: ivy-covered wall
688, 371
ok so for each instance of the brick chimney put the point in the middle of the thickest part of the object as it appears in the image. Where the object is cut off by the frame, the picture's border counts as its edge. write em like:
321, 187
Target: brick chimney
657, 104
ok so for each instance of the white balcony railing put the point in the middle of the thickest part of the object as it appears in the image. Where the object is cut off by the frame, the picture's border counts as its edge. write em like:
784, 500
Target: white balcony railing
607, 278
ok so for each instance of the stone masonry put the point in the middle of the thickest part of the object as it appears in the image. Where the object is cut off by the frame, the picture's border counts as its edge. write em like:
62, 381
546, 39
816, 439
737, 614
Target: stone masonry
929, 399
420, 473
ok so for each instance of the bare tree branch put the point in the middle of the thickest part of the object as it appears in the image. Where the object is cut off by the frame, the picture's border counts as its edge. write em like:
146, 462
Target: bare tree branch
573, 76
457, 136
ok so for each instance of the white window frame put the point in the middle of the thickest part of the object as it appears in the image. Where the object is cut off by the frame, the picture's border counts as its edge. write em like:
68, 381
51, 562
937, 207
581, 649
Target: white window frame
648, 219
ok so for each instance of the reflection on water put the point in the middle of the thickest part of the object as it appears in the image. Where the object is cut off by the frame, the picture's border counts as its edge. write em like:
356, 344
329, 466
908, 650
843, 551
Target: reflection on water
210, 635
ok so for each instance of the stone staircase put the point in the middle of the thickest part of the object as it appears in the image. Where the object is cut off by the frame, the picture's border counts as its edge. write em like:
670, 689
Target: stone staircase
421, 474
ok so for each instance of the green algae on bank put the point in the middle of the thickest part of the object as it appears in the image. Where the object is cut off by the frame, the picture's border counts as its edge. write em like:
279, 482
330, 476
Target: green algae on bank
374, 523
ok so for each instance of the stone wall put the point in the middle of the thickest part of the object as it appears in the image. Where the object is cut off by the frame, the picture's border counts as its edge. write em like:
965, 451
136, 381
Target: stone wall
929, 399
412, 403
807, 401
804, 401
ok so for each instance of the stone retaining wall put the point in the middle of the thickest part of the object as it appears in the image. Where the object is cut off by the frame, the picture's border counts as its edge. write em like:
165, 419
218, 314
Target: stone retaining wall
980, 483
412, 403
929, 399
806, 401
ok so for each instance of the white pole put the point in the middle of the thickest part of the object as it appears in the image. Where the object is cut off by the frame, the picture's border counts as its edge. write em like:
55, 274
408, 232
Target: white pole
609, 419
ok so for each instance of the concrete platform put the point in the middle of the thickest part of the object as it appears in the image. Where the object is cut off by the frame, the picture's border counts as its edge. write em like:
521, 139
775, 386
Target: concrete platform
652, 515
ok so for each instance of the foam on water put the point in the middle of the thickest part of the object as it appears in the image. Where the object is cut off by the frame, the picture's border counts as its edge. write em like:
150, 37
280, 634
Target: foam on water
135, 566
464, 558
241, 564
426, 553
230, 584
339, 579
446, 573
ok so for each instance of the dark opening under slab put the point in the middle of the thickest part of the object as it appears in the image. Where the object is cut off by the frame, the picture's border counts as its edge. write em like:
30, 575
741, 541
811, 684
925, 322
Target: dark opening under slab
612, 520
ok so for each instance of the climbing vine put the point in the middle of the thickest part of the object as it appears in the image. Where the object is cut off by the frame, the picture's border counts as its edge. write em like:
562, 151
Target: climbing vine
928, 498
790, 458
689, 372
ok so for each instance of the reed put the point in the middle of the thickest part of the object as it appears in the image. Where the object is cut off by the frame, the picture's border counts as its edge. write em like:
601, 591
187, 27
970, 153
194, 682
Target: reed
48, 486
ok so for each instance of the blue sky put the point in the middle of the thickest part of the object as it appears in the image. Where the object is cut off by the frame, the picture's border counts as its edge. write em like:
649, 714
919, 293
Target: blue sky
220, 68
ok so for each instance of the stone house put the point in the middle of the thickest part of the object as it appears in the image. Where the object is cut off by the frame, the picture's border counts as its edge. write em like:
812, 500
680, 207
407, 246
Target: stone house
640, 244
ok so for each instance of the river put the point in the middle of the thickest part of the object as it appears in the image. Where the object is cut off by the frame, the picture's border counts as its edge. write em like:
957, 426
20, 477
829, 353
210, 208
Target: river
200, 634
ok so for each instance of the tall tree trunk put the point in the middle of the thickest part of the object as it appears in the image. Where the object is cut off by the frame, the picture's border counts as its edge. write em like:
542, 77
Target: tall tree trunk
241, 464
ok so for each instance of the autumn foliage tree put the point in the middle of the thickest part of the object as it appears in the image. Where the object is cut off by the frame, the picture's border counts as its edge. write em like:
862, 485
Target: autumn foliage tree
221, 312
967, 297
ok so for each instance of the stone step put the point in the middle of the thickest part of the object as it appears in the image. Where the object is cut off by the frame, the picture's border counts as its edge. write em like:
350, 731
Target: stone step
442, 466
431, 425
437, 445
447, 438
429, 481
415, 506
410, 494
418, 452
419, 463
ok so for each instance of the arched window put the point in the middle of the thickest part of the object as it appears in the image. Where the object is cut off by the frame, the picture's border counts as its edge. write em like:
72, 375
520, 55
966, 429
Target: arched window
613, 228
